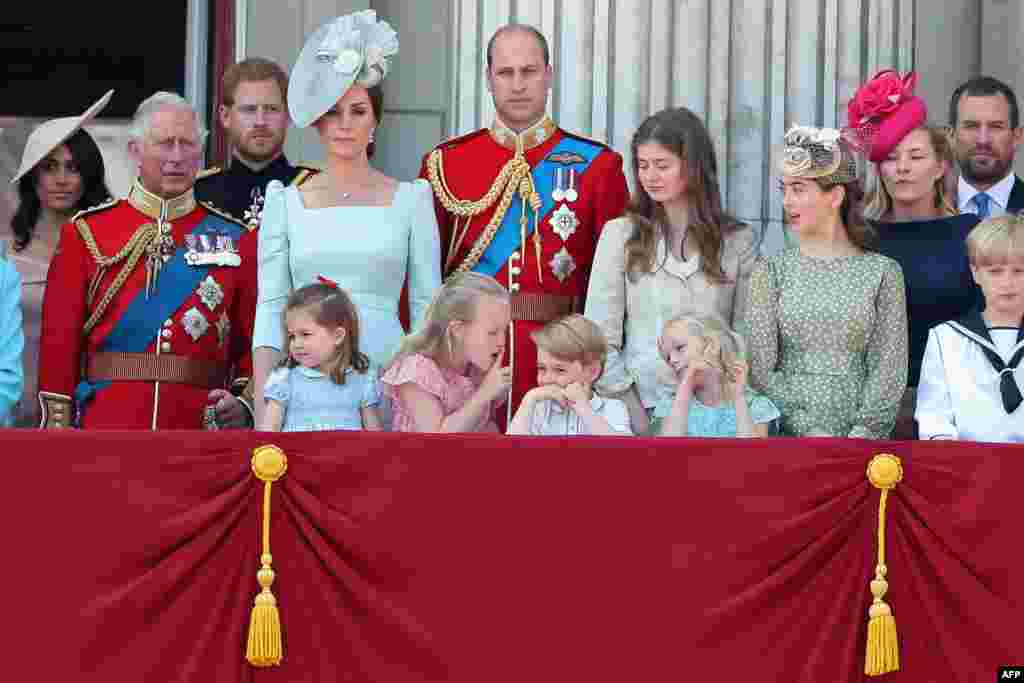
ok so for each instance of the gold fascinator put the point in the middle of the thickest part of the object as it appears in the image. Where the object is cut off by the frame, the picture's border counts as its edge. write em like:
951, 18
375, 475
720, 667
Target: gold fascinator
822, 154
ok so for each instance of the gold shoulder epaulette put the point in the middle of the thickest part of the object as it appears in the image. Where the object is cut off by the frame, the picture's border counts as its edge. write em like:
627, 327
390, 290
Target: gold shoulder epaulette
207, 172
94, 209
223, 214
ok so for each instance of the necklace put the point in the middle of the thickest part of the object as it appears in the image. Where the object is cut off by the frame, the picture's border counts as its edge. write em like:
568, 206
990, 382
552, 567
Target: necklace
346, 195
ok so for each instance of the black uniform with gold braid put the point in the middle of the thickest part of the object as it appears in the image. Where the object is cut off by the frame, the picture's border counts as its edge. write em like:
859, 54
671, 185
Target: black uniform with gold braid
238, 190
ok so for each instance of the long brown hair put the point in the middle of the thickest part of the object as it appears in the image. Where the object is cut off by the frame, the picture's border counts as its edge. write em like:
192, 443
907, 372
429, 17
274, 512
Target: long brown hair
851, 213
331, 307
683, 133
879, 202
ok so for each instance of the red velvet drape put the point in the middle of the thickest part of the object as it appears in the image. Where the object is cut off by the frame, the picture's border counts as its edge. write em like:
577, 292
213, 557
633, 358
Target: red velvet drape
133, 556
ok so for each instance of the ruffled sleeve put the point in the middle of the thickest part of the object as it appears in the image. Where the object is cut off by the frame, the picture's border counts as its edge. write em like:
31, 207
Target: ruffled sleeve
278, 388
419, 370
762, 410
371, 389
274, 275
424, 254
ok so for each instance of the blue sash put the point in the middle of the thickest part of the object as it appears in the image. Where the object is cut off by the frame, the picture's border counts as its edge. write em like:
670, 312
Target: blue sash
143, 318
507, 239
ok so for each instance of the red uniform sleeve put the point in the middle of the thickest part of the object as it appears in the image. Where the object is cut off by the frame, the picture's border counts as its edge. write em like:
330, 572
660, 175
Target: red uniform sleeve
64, 314
243, 309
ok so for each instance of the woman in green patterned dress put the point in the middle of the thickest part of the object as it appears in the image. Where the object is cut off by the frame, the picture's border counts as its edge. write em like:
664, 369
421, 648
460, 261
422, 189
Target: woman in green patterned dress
828, 317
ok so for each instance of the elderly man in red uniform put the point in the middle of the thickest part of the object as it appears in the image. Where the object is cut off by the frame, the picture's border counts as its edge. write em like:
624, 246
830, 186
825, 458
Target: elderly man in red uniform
524, 200
150, 300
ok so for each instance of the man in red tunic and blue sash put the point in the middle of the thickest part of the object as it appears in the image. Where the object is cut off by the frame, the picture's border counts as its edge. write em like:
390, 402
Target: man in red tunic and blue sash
150, 300
524, 201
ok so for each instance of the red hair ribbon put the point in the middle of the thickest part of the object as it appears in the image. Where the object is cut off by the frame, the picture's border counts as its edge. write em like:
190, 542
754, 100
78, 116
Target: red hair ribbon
327, 281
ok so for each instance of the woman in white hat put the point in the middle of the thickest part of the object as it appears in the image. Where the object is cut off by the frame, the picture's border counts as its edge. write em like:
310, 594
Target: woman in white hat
61, 173
351, 224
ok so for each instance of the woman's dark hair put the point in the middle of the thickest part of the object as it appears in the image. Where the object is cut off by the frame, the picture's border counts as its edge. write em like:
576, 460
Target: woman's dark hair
94, 190
376, 94
331, 307
683, 133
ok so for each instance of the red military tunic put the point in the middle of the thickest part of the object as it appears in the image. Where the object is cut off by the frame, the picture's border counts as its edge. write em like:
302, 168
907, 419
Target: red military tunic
210, 326
554, 284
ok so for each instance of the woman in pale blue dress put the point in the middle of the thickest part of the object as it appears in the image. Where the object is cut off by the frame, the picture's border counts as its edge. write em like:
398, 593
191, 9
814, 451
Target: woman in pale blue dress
351, 223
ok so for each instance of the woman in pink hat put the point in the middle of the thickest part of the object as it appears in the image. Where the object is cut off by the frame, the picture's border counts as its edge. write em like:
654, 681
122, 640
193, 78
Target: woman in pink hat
916, 221
61, 173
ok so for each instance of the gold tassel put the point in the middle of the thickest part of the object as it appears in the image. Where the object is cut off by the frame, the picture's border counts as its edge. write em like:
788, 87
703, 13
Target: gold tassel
883, 652
265, 644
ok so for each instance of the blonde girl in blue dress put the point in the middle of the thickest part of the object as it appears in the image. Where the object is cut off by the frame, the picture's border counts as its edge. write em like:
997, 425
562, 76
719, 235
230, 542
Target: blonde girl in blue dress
703, 390
326, 382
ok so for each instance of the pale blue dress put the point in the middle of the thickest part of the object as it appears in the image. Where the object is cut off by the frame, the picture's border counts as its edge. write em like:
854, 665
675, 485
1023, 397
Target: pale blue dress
717, 421
367, 250
313, 402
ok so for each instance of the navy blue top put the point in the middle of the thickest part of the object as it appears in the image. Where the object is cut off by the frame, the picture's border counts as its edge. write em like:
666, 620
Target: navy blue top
940, 287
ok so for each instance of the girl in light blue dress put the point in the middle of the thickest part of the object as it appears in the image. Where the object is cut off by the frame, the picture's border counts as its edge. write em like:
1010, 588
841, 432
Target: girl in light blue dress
704, 391
326, 382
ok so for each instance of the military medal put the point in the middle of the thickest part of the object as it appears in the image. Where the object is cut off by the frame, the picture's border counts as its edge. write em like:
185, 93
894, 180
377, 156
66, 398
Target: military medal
571, 194
195, 323
210, 293
558, 194
562, 264
223, 325
211, 250
159, 252
564, 222
255, 211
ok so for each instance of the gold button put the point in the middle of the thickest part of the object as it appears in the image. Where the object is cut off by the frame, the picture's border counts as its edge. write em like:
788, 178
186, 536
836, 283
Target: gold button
166, 346
168, 323
166, 334
515, 270
514, 287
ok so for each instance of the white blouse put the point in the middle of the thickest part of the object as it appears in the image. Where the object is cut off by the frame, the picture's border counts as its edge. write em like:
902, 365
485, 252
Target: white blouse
632, 314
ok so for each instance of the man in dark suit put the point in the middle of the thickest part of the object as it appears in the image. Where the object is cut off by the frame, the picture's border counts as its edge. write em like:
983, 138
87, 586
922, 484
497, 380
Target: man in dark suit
985, 120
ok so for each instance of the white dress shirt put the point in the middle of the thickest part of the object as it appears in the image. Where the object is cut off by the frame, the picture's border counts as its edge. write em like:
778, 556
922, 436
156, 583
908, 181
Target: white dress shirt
999, 194
550, 419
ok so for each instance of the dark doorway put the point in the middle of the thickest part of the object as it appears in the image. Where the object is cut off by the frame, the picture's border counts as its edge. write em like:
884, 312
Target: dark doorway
56, 60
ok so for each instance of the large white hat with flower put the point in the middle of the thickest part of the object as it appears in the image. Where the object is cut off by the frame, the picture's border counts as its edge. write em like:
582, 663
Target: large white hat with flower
352, 49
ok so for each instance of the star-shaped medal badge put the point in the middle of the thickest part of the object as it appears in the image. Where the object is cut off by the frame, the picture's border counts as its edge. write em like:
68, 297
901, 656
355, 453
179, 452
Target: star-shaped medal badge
562, 264
195, 323
564, 222
210, 293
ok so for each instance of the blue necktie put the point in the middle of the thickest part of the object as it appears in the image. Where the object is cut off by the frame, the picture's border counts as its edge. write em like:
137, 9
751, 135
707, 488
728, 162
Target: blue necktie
982, 201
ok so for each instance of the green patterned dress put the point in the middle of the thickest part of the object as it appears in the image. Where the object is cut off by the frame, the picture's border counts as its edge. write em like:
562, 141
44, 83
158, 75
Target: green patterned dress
828, 342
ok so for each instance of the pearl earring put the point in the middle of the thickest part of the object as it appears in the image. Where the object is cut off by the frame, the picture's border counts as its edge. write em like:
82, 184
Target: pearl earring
372, 137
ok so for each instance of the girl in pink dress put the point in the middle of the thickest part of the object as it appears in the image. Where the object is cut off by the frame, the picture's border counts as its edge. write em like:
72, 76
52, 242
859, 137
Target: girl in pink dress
449, 377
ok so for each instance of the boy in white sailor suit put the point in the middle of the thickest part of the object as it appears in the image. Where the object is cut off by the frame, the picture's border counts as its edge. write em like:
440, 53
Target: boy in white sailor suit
972, 374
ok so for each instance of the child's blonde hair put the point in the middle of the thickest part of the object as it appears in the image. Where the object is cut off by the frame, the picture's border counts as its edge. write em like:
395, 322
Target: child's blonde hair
720, 346
455, 300
572, 338
996, 241
330, 307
